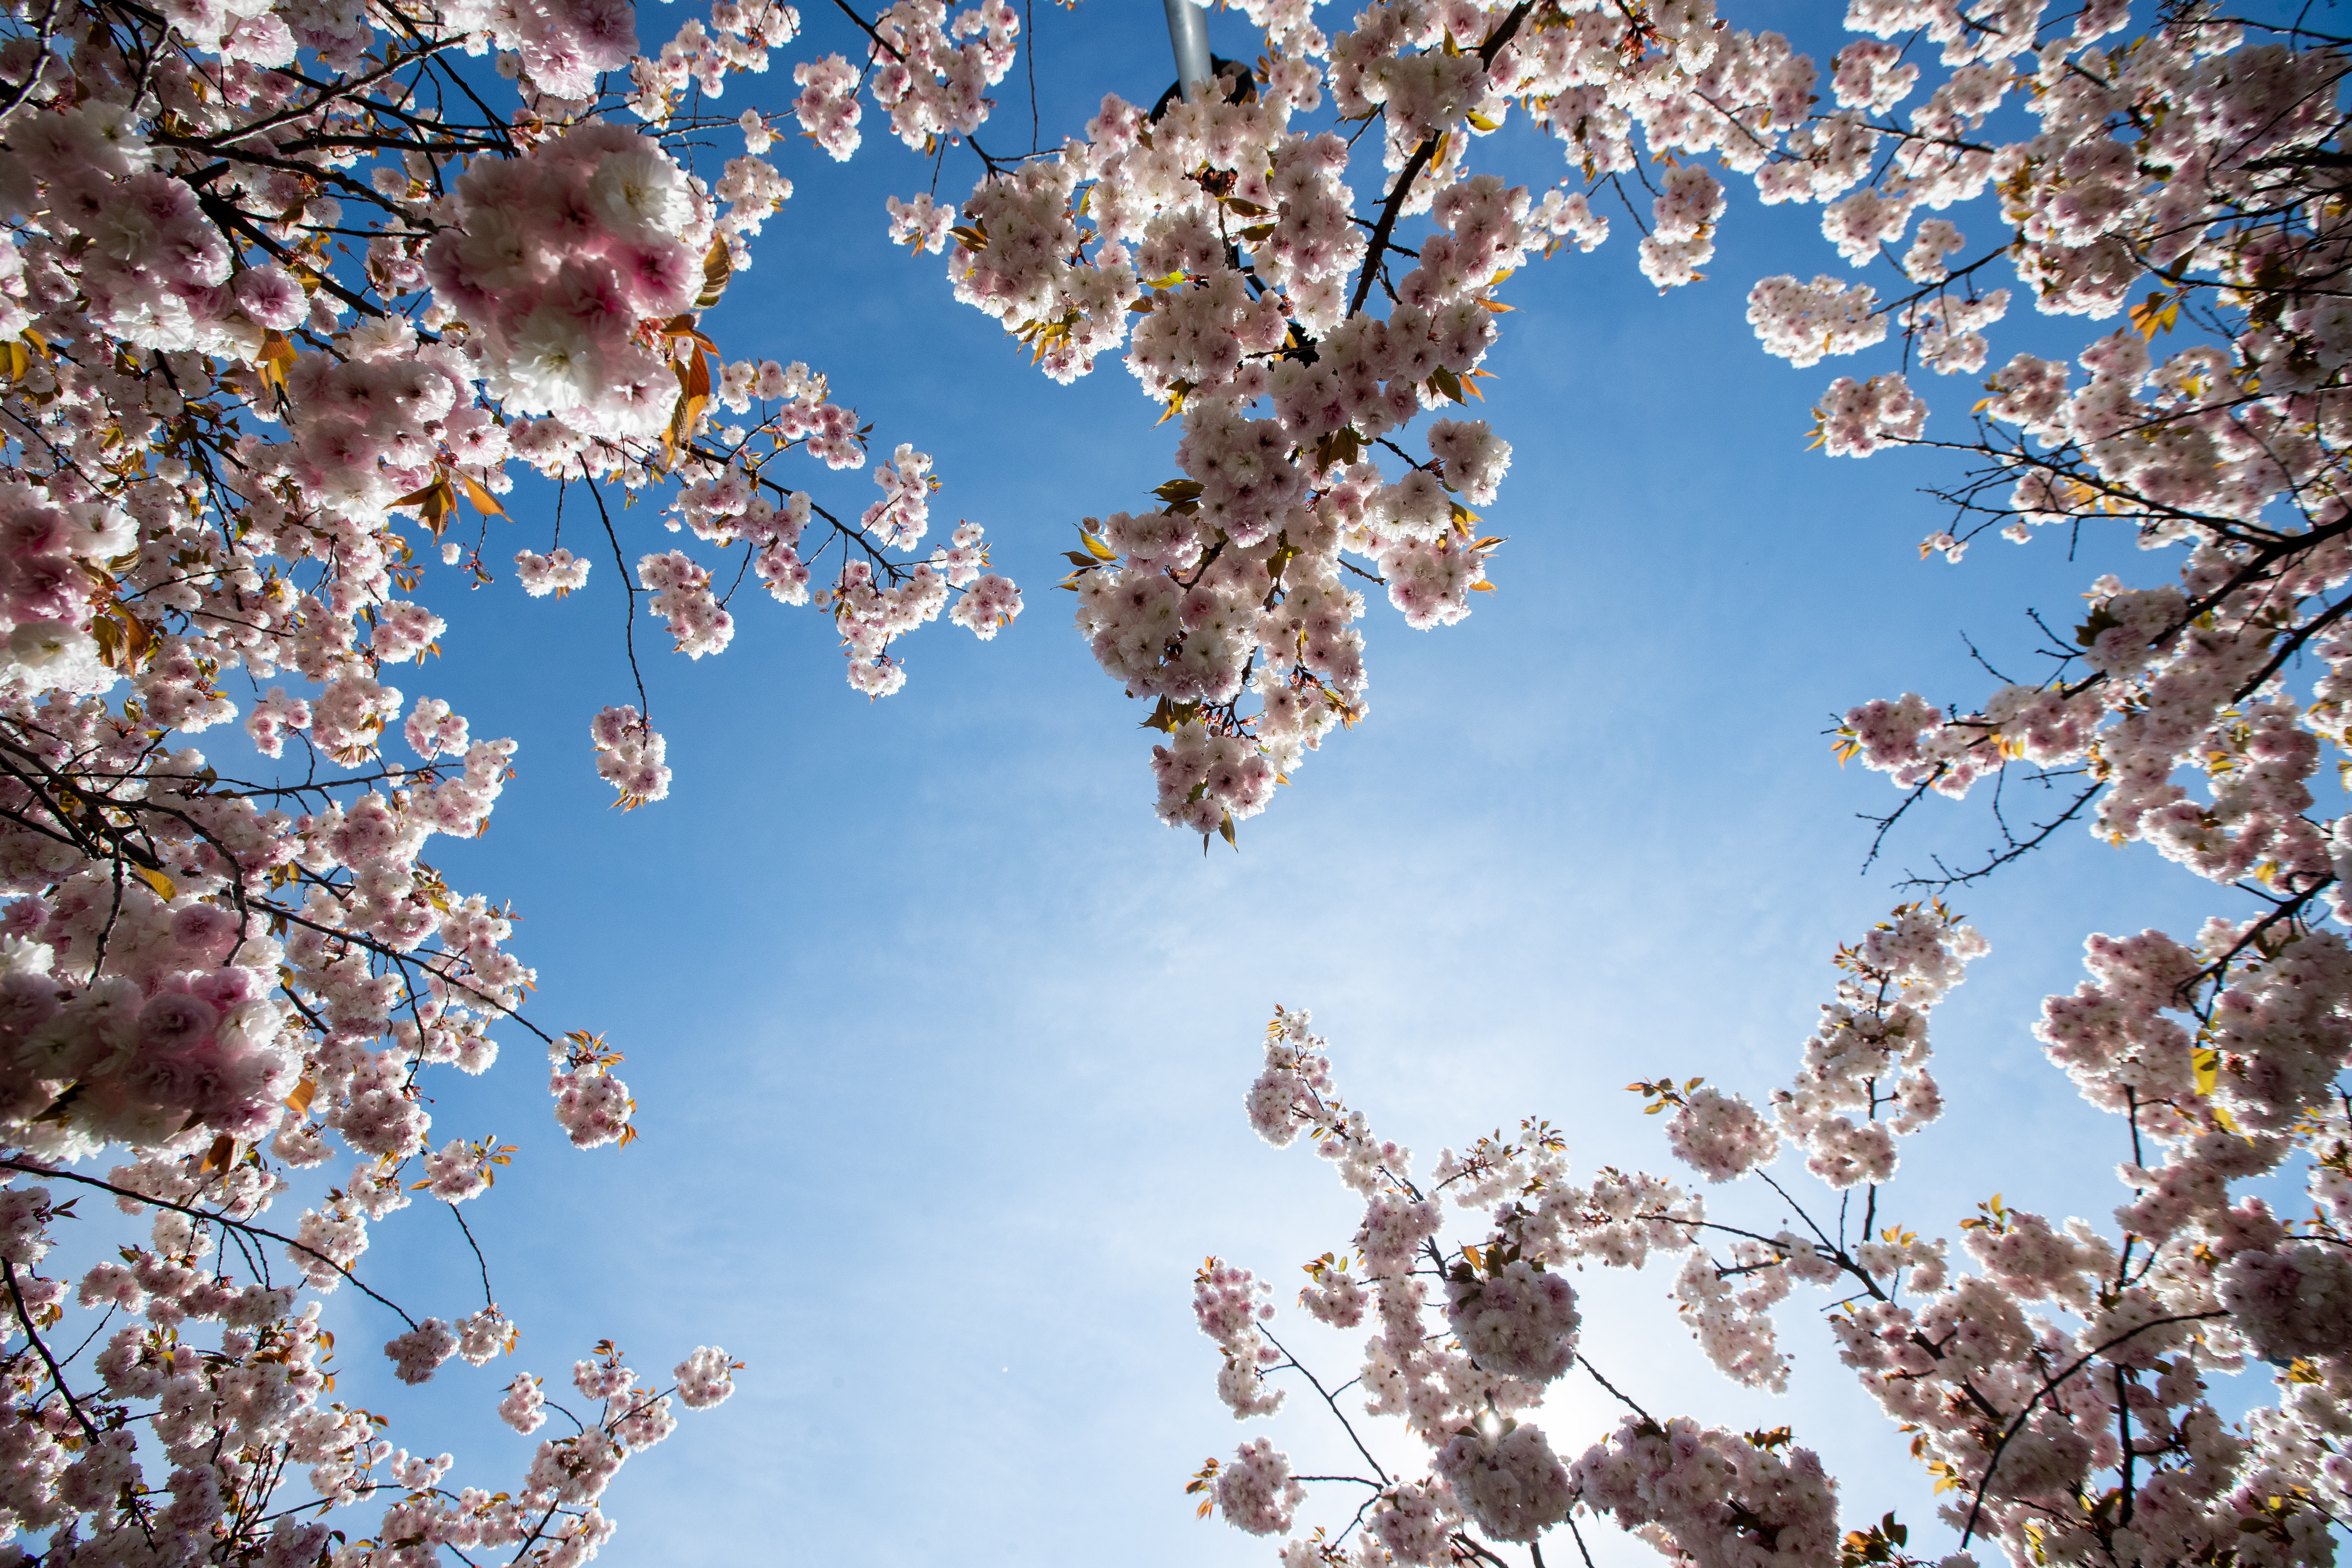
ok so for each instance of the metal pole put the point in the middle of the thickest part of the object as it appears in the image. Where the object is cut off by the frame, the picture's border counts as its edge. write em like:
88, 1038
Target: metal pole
1187, 30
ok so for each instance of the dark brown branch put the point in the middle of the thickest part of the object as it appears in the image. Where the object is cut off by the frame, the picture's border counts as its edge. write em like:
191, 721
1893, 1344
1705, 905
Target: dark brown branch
1395, 206
50, 1174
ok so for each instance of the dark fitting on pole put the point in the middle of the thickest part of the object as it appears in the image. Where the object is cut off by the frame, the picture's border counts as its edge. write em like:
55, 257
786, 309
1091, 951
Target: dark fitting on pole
1200, 77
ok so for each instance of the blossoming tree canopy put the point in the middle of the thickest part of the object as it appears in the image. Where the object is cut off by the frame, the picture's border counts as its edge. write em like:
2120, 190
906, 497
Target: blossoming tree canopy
293, 295
2058, 1382
2198, 161
1267, 295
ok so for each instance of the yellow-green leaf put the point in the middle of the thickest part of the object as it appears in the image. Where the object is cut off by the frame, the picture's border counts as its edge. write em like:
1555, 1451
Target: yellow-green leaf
484, 503
717, 268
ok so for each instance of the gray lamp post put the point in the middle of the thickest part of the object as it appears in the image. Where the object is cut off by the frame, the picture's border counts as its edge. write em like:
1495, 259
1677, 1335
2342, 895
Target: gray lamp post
1187, 30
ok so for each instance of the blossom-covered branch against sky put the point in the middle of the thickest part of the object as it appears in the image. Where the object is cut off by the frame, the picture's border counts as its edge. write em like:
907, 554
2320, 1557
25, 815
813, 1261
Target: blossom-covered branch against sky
2201, 160
2087, 1431
290, 293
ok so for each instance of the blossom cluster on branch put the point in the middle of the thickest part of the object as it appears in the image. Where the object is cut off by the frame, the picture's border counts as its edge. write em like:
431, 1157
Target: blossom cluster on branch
1299, 332
2062, 1384
290, 297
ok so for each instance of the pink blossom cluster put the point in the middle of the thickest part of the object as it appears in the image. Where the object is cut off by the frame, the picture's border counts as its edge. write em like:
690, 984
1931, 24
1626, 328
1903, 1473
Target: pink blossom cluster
1949, 333
1229, 602
929, 70
933, 71
629, 755
559, 261
557, 48
1504, 1475
1255, 1490
681, 598
1705, 1495
734, 37
1858, 417
1870, 1051
1728, 1306
1229, 1303
592, 1104
1518, 1320
876, 597
150, 1050
2295, 1301
1720, 1135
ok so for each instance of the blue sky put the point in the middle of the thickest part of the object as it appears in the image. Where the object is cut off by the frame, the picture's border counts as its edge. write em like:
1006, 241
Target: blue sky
940, 1037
